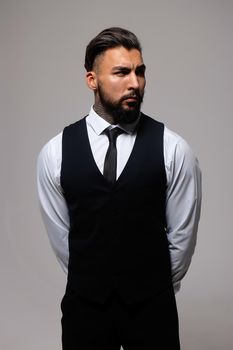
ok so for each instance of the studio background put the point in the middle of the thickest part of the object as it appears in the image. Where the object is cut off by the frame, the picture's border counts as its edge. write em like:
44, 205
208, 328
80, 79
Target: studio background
187, 47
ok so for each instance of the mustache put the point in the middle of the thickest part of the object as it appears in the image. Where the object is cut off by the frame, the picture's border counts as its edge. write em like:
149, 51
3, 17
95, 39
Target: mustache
134, 94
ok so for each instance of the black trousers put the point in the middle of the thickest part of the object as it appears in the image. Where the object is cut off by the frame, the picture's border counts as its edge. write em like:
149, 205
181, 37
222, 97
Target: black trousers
147, 325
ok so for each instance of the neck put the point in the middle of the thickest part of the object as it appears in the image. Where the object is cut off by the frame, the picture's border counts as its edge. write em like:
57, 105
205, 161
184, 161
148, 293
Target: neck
100, 110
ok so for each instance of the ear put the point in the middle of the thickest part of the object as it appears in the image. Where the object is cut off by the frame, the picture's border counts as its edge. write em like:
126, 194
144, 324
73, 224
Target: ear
91, 80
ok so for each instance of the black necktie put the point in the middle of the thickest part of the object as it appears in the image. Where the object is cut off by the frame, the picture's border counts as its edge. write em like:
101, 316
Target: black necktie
110, 163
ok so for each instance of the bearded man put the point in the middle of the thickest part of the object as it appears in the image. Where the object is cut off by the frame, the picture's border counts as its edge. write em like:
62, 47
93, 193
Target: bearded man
120, 197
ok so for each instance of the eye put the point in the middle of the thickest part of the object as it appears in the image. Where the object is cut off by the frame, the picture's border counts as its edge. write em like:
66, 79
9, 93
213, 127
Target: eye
122, 72
140, 72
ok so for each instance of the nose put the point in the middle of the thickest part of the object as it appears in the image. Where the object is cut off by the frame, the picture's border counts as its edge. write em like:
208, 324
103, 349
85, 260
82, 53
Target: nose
133, 83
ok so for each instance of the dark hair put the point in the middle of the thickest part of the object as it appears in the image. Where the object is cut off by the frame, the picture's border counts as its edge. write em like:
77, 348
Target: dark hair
107, 39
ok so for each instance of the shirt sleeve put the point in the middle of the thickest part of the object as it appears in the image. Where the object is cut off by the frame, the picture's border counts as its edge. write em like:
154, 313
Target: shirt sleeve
183, 203
52, 202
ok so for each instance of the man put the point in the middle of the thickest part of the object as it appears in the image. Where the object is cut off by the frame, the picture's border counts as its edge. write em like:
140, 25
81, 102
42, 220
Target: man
120, 197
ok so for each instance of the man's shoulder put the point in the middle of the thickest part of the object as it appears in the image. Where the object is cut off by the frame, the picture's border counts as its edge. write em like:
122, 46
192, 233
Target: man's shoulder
75, 125
56, 141
175, 145
172, 138
175, 139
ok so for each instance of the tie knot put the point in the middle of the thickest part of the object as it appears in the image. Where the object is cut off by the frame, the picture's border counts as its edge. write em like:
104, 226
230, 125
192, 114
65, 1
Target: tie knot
113, 133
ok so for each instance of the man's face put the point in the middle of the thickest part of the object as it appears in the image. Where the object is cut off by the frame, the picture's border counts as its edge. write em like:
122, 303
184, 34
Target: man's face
120, 83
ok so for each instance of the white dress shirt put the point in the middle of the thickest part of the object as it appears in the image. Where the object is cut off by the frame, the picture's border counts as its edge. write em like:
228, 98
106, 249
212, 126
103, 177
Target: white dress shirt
183, 195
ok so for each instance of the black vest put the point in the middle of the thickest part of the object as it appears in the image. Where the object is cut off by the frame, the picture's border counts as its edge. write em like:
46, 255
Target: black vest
117, 238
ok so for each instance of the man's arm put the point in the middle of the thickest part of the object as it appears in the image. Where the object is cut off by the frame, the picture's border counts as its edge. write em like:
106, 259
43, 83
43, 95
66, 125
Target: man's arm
52, 202
183, 204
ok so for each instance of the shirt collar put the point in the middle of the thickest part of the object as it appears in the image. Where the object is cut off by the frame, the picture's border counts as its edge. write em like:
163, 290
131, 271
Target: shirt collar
98, 124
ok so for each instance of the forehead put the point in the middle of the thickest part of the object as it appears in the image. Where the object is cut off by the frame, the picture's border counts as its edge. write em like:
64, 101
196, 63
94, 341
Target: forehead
120, 56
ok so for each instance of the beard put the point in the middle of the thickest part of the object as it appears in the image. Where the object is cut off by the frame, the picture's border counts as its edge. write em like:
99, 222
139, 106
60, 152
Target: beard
117, 111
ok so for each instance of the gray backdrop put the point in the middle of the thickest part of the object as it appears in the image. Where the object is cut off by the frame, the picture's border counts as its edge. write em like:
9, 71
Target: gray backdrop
188, 52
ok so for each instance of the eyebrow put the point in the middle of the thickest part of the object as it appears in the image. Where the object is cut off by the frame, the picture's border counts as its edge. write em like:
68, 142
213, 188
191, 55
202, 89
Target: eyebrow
125, 68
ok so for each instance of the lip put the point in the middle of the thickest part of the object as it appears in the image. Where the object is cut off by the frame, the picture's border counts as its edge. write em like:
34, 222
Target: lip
130, 99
